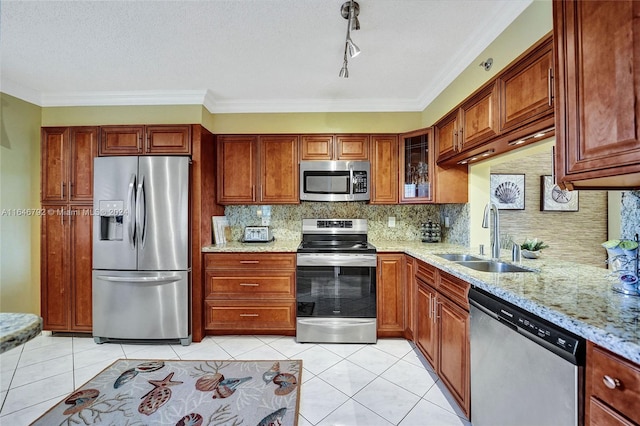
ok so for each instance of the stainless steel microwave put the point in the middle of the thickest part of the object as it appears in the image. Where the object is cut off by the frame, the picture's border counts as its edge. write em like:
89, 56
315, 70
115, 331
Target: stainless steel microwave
335, 180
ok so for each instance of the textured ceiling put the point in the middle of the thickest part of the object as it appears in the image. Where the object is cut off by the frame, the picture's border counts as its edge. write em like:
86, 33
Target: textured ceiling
242, 55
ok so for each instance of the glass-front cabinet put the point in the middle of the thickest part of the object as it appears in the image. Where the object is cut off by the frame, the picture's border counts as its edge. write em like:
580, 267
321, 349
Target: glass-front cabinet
416, 166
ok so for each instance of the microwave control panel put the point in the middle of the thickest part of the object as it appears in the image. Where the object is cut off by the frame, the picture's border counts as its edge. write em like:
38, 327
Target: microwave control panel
359, 182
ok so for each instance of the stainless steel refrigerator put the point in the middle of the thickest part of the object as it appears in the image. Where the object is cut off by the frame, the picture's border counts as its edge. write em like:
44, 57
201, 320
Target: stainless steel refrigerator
141, 262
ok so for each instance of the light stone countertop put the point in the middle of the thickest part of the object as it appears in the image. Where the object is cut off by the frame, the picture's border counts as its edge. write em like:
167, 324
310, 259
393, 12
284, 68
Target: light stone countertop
17, 328
575, 297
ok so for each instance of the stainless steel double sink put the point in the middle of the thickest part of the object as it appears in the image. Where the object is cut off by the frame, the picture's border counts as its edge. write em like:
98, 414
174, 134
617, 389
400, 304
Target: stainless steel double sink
479, 264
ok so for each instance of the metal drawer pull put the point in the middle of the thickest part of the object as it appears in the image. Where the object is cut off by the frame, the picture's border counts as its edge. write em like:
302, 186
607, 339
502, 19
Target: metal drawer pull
611, 383
249, 315
249, 261
250, 284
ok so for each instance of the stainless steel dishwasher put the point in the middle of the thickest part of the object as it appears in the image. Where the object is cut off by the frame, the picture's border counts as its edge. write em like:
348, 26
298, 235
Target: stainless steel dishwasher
524, 370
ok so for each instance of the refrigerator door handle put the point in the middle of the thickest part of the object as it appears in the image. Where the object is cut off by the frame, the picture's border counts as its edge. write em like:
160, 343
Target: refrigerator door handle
141, 213
132, 208
141, 280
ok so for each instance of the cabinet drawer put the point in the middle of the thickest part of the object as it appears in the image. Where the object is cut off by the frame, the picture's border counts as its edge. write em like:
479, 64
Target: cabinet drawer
250, 315
603, 415
253, 285
624, 375
455, 289
253, 261
426, 273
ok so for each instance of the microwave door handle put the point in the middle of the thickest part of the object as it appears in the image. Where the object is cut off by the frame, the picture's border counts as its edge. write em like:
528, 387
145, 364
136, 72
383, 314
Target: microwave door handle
351, 183
132, 208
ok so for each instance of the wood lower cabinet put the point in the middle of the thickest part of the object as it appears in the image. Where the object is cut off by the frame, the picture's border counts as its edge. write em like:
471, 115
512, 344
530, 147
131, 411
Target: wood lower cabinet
145, 140
597, 52
67, 164
334, 147
390, 294
410, 295
442, 329
612, 388
258, 169
66, 263
249, 293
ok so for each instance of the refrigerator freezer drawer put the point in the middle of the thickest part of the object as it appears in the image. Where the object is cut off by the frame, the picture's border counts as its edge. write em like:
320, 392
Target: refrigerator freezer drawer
142, 305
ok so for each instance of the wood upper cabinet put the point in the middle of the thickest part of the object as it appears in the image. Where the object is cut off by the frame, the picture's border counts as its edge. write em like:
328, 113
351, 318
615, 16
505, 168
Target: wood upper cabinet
67, 164
258, 169
474, 122
390, 294
66, 253
597, 52
526, 89
513, 107
421, 179
237, 169
145, 140
279, 180
384, 169
334, 147
612, 388
446, 134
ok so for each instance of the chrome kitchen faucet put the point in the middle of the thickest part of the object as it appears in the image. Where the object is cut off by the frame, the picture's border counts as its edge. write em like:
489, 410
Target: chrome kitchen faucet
492, 209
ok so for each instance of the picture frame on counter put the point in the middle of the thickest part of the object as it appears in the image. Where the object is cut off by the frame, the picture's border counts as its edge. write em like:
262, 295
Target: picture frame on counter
555, 199
507, 191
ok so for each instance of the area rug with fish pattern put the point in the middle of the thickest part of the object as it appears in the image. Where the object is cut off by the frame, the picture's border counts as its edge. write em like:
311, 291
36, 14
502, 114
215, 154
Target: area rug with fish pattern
185, 393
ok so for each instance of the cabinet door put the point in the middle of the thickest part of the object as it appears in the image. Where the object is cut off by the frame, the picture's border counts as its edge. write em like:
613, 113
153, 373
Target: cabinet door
237, 169
384, 169
84, 147
390, 294
479, 118
410, 296
352, 147
598, 79
54, 278
121, 140
453, 357
80, 265
316, 147
279, 180
416, 166
426, 327
525, 89
55, 144
168, 140
446, 133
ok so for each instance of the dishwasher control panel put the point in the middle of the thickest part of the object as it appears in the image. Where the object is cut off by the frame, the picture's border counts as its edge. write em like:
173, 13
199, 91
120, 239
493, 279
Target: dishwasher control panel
539, 329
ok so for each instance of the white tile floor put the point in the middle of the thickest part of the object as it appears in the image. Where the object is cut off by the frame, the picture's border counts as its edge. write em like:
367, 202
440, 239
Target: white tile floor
388, 383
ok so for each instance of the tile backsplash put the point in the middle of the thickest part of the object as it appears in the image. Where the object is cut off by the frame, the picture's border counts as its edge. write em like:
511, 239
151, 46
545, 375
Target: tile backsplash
286, 220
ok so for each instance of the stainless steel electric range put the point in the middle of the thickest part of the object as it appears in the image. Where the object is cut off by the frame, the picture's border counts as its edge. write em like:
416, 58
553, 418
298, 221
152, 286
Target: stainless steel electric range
336, 282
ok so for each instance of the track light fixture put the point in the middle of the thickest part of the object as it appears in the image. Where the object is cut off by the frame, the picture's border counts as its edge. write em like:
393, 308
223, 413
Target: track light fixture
349, 11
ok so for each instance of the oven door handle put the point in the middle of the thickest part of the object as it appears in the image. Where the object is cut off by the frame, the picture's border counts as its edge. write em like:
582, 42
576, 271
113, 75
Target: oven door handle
326, 259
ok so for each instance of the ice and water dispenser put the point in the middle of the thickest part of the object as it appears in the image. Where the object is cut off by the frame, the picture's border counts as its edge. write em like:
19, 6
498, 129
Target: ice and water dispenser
111, 218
